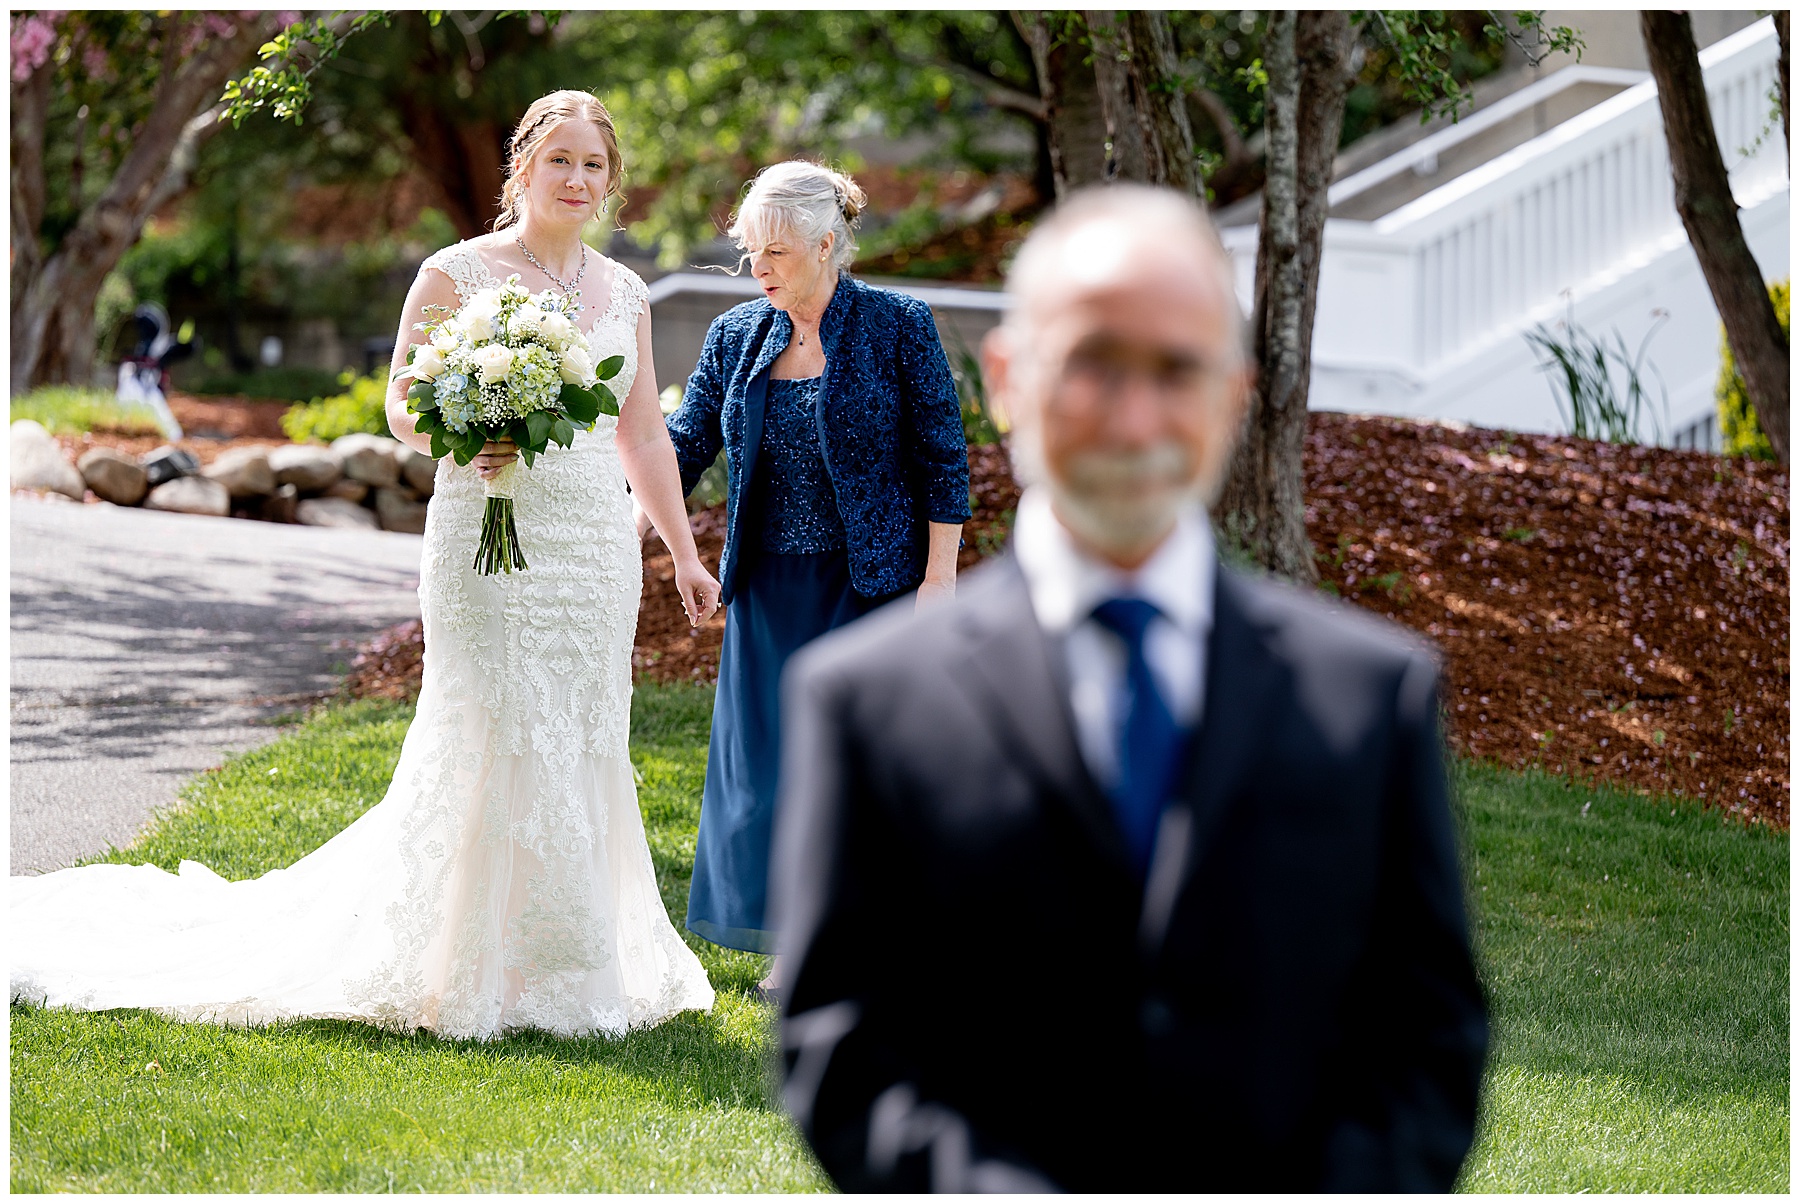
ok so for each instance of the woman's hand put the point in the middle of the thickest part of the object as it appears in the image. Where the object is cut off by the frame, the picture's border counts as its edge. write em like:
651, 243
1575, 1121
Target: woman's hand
934, 591
699, 591
494, 457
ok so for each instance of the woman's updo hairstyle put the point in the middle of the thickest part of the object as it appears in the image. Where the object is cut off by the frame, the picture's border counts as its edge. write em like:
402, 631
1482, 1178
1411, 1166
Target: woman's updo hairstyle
803, 200
544, 115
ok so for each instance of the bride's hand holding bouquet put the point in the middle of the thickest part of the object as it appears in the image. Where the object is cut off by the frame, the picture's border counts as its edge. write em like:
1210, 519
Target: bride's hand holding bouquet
506, 373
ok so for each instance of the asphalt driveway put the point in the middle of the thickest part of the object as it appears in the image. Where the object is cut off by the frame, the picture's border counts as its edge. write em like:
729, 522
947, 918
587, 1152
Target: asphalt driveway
147, 646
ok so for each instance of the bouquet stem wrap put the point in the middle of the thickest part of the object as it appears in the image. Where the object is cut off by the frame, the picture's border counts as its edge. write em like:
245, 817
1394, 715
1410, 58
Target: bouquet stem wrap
499, 550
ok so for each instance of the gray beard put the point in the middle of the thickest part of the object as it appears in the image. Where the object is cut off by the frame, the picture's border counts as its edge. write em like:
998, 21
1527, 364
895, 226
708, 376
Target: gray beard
1120, 503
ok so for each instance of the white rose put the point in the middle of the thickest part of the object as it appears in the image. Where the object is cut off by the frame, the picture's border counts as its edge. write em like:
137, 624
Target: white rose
444, 339
479, 327
577, 365
557, 330
493, 362
525, 321
428, 362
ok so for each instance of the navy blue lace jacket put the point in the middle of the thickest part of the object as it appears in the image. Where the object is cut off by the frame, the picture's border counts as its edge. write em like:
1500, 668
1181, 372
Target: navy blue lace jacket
889, 423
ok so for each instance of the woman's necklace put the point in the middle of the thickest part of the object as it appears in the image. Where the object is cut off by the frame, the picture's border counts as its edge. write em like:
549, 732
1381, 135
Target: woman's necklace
569, 287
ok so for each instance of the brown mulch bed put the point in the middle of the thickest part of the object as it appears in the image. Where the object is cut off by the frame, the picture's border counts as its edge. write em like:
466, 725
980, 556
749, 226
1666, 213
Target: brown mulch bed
1604, 611
1607, 612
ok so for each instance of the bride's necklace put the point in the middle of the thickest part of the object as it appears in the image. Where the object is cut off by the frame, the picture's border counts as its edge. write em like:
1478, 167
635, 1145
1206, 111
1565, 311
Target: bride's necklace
569, 287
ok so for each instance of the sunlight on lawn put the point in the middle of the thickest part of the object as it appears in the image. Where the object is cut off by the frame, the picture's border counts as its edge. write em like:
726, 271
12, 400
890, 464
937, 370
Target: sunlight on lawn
1635, 955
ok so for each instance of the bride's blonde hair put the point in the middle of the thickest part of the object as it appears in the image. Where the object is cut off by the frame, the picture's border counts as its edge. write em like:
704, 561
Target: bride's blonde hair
544, 115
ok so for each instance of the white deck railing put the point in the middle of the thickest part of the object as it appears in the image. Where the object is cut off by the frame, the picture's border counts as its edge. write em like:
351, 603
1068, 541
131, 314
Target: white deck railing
1495, 249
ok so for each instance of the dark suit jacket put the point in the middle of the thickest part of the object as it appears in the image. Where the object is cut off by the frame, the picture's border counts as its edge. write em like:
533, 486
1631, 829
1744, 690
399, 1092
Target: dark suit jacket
890, 427
979, 993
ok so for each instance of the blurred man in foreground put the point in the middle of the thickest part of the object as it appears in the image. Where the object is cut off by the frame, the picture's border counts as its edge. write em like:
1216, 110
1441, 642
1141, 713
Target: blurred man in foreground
1123, 872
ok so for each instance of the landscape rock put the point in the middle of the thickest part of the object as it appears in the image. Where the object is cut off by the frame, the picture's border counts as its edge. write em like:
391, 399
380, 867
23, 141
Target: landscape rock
368, 458
113, 476
244, 471
417, 469
280, 506
190, 495
335, 512
167, 462
38, 463
307, 468
347, 490
399, 512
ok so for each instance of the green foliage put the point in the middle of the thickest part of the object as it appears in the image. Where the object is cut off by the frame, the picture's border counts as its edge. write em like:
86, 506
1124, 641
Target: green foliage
1581, 370
70, 410
283, 80
286, 383
1739, 430
361, 407
1429, 53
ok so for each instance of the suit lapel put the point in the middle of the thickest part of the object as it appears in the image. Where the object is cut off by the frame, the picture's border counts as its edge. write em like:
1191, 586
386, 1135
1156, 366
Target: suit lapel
1240, 677
1016, 679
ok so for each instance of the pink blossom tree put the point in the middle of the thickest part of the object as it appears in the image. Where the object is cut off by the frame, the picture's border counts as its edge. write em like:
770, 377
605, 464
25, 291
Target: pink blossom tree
109, 111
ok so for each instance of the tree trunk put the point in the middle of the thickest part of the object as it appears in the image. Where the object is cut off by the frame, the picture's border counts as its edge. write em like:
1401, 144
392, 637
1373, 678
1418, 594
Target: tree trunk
53, 299
30, 114
1263, 508
1709, 212
1077, 123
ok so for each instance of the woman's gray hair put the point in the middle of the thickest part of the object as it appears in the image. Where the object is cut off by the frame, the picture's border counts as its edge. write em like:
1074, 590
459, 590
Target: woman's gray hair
803, 200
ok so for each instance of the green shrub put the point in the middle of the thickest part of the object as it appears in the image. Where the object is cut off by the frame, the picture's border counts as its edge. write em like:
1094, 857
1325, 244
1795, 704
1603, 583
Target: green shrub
361, 407
67, 410
274, 384
1739, 431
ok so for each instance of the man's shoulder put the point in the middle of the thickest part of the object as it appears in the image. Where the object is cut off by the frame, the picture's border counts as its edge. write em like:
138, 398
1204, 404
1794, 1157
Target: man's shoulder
1305, 625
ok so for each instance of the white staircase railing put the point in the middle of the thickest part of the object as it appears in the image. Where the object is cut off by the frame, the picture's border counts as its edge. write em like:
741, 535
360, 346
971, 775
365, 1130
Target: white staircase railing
1492, 251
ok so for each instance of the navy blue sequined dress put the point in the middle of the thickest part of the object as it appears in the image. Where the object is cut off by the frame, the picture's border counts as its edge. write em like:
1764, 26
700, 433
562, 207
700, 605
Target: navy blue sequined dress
793, 586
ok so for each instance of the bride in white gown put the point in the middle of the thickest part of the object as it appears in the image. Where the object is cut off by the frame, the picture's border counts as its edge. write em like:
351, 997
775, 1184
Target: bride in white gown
504, 882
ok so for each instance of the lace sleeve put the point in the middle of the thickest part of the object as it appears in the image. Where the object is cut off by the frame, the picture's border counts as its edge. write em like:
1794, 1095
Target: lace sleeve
464, 266
633, 293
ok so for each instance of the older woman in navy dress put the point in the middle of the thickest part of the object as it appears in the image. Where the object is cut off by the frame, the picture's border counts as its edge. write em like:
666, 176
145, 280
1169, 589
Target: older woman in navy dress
849, 485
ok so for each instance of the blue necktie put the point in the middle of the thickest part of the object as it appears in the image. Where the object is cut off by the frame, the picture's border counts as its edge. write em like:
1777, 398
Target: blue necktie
1151, 740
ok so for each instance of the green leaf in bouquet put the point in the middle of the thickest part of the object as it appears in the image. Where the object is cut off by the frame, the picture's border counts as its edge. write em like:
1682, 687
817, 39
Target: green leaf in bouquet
527, 455
609, 367
537, 428
469, 445
562, 431
608, 403
440, 446
421, 397
579, 404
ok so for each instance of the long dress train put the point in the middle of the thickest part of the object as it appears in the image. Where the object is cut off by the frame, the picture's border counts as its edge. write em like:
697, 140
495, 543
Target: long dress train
504, 882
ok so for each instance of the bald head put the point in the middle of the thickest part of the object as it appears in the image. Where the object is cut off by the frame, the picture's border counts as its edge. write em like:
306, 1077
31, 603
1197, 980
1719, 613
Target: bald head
1123, 236
1121, 364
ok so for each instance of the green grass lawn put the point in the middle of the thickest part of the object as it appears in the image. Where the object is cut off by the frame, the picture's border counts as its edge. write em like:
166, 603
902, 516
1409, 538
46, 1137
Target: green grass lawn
70, 410
1635, 952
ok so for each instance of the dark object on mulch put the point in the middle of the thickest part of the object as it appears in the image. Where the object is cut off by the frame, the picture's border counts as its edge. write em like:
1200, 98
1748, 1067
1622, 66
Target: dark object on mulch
1604, 611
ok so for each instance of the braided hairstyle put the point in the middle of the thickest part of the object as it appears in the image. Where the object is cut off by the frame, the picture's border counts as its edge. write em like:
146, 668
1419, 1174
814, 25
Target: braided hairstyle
544, 115
805, 199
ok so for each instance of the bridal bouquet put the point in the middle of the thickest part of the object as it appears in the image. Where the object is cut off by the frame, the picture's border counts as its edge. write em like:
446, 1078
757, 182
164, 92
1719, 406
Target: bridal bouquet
506, 365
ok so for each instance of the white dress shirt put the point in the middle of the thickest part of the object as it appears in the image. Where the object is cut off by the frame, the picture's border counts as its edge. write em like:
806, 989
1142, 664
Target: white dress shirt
1066, 584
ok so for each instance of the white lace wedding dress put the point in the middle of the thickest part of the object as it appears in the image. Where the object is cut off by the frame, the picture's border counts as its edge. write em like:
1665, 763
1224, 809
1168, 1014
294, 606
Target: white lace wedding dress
504, 883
